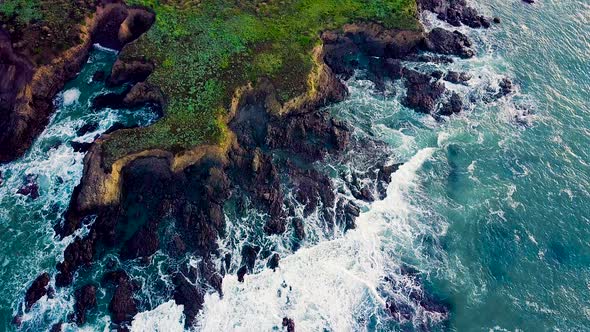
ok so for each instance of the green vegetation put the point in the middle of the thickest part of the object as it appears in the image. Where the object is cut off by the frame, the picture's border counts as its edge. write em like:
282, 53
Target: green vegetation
45, 28
205, 49
26, 10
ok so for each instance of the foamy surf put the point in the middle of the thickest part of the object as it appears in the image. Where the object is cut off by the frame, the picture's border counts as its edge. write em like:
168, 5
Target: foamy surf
327, 286
167, 317
71, 96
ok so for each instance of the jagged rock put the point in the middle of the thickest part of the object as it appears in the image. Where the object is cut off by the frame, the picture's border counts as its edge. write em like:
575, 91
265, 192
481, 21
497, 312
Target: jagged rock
249, 254
299, 229
85, 300
78, 253
289, 324
455, 12
422, 94
30, 187
506, 88
451, 43
347, 212
190, 296
122, 306
384, 178
242, 272
80, 146
452, 106
273, 261
457, 77
37, 290
312, 190
86, 128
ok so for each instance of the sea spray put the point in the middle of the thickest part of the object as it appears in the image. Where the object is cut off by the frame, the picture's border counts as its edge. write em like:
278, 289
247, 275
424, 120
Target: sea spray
56, 169
320, 286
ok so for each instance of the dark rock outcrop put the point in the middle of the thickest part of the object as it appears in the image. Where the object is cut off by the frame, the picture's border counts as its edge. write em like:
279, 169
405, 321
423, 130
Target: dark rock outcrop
85, 300
289, 324
37, 290
190, 296
422, 93
123, 306
449, 43
78, 253
457, 77
455, 12
273, 261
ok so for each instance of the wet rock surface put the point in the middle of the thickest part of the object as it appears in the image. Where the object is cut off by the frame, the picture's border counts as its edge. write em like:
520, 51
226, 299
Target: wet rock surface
289, 324
189, 295
30, 187
123, 305
455, 12
180, 211
449, 43
85, 301
37, 290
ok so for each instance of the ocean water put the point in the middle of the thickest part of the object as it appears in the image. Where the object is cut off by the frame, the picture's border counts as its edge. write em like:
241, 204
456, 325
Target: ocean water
491, 207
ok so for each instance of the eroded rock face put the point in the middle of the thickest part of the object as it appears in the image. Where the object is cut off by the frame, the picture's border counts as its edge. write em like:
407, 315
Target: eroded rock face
27, 91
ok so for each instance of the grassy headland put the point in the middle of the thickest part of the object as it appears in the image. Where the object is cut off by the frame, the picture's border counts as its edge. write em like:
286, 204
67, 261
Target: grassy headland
204, 50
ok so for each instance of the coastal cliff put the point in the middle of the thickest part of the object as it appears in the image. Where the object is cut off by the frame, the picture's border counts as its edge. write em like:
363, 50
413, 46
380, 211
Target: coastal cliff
216, 143
32, 71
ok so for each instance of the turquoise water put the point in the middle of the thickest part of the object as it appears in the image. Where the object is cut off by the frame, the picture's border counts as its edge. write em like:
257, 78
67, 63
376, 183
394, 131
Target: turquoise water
491, 206
27, 240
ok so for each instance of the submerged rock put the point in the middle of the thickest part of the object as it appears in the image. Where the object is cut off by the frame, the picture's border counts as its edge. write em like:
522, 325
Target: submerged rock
85, 300
30, 187
99, 76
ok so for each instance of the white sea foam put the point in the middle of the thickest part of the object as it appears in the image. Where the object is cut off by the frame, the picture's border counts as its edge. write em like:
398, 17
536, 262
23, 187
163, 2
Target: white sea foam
71, 96
325, 285
167, 317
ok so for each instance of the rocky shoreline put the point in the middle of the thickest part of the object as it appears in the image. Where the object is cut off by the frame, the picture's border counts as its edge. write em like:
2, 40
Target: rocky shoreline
27, 90
185, 192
